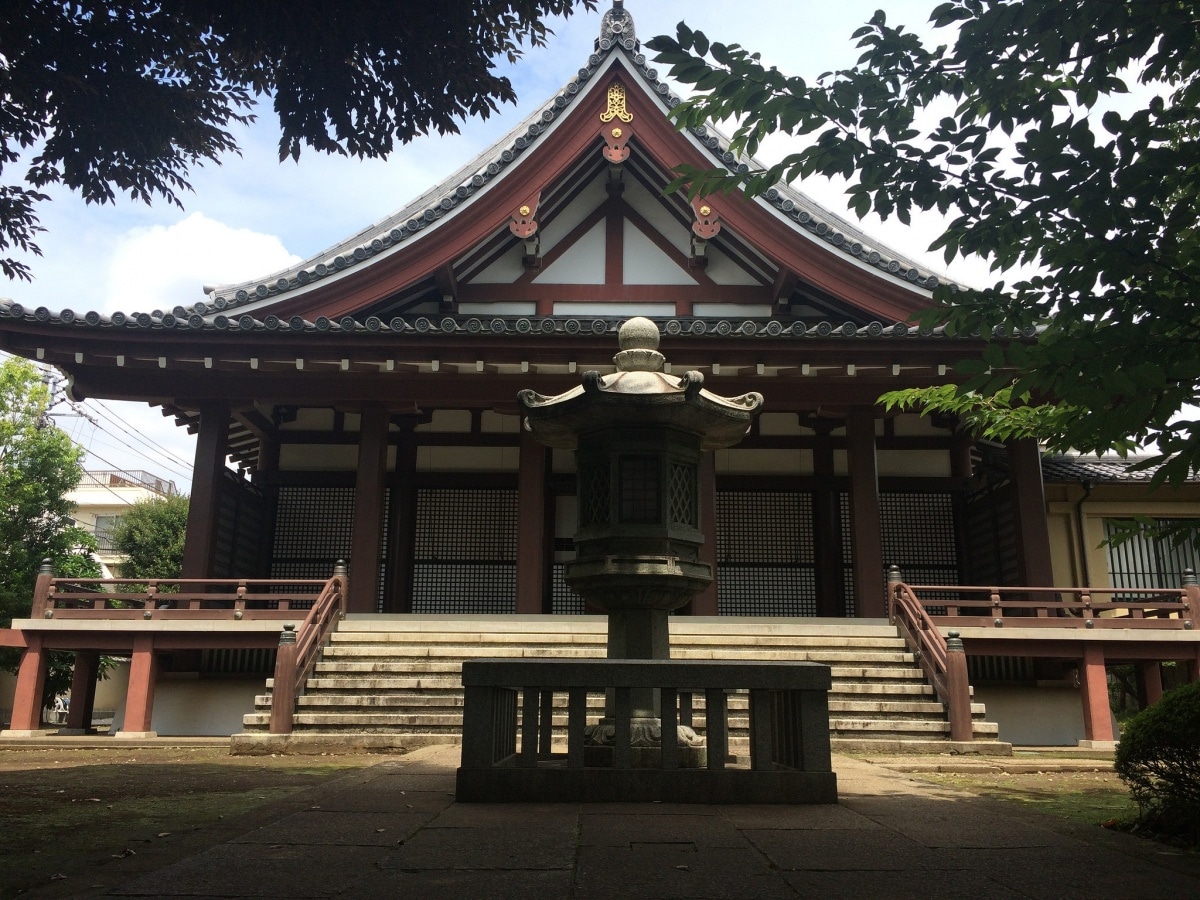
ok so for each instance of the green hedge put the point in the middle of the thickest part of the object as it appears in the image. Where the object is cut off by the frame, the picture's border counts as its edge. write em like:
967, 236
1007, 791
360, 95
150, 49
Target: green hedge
1159, 759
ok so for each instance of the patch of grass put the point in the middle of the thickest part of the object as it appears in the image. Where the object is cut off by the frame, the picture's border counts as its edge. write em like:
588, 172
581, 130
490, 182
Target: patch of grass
1092, 798
91, 818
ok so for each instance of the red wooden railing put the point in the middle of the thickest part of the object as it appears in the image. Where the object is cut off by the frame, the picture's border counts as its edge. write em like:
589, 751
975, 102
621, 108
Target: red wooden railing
943, 659
299, 650
175, 598
940, 657
86, 600
1072, 607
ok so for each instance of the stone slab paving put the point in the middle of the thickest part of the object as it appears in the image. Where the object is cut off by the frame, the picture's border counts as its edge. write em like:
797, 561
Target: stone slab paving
394, 831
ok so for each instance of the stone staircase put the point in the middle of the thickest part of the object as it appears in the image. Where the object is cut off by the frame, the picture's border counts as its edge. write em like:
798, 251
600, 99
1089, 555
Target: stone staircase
394, 681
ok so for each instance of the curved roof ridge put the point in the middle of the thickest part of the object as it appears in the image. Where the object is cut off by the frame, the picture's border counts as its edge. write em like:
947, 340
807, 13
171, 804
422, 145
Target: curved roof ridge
617, 32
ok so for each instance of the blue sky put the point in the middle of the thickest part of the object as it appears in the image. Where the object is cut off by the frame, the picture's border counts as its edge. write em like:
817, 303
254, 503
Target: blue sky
252, 214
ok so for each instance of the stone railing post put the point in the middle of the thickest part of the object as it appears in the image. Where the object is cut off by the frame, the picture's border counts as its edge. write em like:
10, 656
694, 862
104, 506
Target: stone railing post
959, 688
283, 693
42, 607
893, 579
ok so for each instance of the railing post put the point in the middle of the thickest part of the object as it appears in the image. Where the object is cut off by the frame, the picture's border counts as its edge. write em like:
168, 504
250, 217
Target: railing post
342, 574
283, 694
1191, 590
959, 688
893, 579
42, 605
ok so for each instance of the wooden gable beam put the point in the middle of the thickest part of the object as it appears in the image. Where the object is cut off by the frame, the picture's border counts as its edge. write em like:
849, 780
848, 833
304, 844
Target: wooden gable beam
785, 283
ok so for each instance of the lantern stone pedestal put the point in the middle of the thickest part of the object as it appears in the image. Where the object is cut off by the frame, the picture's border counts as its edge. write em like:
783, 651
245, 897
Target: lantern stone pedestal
638, 436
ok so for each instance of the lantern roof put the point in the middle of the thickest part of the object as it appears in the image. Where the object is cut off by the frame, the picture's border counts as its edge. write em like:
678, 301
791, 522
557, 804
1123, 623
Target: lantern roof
639, 393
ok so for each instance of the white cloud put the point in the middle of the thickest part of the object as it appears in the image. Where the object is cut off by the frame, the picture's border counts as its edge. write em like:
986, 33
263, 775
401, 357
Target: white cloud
159, 267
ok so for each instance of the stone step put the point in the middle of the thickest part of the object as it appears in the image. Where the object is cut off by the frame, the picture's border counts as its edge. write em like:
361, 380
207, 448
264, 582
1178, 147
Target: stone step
855, 688
737, 724
399, 678
407, 712
713, 651
908, 725
426, 663
597, 625
599, 640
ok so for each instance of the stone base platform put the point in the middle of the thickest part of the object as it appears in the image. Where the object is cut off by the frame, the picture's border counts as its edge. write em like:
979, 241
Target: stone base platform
546, 784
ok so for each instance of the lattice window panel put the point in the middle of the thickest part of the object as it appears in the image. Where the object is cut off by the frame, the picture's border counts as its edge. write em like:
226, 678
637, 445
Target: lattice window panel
563, 600
683, 495
766, 591
464, 588
593, 505
465, 551
765, 553
313, 523
764, 527
312, 531
919, 537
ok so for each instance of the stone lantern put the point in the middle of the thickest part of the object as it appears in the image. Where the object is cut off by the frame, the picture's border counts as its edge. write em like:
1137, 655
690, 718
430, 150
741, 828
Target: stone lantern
638, 436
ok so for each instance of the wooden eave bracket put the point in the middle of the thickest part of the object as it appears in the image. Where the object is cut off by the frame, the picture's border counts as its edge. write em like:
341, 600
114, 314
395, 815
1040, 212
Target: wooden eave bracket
256, 424
447, 285
525, 228
706, 227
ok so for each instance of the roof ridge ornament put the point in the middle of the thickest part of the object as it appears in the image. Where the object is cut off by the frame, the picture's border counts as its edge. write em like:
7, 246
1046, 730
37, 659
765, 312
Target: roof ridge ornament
617, 26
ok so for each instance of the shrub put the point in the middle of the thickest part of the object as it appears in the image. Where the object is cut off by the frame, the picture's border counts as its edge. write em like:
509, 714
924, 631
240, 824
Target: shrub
1159, 759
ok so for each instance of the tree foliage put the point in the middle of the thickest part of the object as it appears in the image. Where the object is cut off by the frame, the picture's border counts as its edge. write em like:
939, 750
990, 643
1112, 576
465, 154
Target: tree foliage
150, 535
124, 96
39, 465
1056, 136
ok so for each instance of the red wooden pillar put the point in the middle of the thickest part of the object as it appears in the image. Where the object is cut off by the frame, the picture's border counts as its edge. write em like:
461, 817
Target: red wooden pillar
1093, 684
827, 529
1193, 666
1149, 677
366, 543
531, 525
705, 603
1029, 509
403, 520
212, 446
139, 701
31, 681
869, 594
83, 692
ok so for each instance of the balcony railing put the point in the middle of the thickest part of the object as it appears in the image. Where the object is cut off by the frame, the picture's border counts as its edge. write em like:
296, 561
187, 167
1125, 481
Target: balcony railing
321, 603
951, 607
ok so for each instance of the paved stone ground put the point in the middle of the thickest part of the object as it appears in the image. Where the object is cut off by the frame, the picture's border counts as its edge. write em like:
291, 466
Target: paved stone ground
395, 831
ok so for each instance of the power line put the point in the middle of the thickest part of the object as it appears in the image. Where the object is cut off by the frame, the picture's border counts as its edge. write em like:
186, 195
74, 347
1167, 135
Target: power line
113, 417
171, 465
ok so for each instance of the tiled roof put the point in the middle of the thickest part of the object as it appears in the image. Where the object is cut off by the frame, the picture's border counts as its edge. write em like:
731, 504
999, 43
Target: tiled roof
181, 319
1098, 470
617, 34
